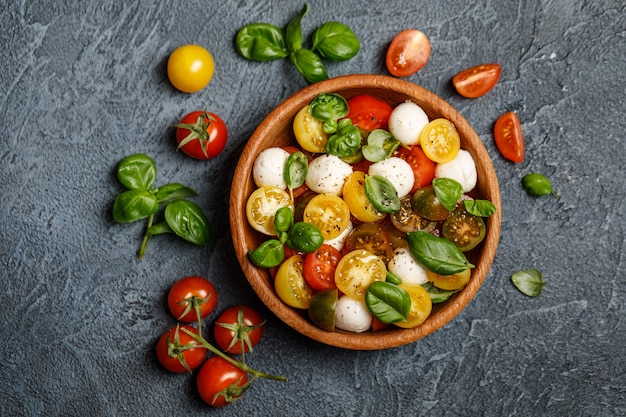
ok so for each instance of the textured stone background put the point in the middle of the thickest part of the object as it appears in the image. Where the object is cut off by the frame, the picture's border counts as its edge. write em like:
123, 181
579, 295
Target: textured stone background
82, 84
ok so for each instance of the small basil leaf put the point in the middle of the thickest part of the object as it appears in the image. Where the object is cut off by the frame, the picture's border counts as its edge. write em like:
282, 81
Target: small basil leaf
188, 221
294, 30
448, 191
346, 141
388, 302
133, 205
270, 254
329, 108
529, 281
380, 145
261, 42
382, 194
437, 254
173, 191
537, 185
480, 208
283, 219
309, 65
137, 172
437, 295
305, 237
296, 168
335, 41
393, 278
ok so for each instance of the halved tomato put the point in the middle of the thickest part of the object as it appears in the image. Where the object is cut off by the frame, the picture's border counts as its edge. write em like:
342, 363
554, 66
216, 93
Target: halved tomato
329, 213
309, 131
476, 81
421, 306
372, 237
319, 267
465, 230
368, 112
440, 141
359, 204
509, 137
408, 52
357, 270
407, 220
290, 285
423, 167
450, 282
262, 205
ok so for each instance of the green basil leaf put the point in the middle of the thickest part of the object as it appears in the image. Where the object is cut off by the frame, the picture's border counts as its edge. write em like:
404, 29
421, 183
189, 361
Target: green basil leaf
382, 194
346, 141
380, 145
305, 237
294, 30
393, 278
261, 42
537, 185
296, 168
270, 254
329, 108
133, 205
335, 41
137, 172
437, 254
388, 302
480, 208
283, 219
448, 191
188, 221
529, 281
309, 65
437, 295
173, 191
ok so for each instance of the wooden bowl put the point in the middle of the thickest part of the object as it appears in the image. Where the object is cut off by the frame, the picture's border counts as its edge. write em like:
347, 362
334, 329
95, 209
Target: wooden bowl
276, 130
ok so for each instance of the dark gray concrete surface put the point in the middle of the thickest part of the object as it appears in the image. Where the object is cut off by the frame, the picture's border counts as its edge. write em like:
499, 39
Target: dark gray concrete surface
83, 84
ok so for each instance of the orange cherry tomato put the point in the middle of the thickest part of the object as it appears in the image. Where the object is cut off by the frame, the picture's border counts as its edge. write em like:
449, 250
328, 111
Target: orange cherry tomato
408, 52
476, 81
509, 137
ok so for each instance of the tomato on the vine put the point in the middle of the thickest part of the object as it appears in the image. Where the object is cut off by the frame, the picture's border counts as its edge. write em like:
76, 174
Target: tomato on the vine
476, 81
423, 167
368, 112
221, 383
190, 68
176, 350
190, 295
319, 267
408, 52
238, 329
201, 135
509, 137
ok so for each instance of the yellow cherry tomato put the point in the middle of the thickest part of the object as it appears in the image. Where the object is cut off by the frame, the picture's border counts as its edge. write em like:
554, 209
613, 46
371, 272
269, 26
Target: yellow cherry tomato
450, 282
329, 213
262, 206
357, 201
357, 270
290, 285
190, 68
309, 131
440, 141
421, 306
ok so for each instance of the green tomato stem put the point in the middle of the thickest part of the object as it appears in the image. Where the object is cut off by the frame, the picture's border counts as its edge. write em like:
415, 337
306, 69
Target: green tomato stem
146, 238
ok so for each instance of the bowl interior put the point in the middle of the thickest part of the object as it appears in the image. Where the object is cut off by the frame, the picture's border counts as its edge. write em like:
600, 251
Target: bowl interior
276, 130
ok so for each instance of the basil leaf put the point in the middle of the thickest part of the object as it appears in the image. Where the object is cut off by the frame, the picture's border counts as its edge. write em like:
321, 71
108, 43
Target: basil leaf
309, 65
261, 42
437, 295
537, 185
529, 281
188, 221
336, 41
346, 141
480, 208
133, 205
137, 172
382, 194
173, 191
294, 30
305, 237
388, 302
296, 168
380, 145
283, 219
329, 108
270, 254
393, 278
448, 191
437, 254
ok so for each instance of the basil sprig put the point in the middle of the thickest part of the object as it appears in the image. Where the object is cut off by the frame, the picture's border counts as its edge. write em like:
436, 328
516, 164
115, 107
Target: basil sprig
329, 108
382, 194
388, 302
528, 281
437, 254
140, 201
346, 141
448, 191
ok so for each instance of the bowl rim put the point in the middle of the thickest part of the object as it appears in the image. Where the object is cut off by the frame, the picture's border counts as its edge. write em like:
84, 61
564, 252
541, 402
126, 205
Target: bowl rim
261, 284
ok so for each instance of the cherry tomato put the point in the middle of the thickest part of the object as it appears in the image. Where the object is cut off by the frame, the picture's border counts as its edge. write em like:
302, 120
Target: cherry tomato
407, 220
329, 213
378, 325
440, 141
464, 230
476, 81
290, 284
322, 308
357, 270
423, 167
190, 68
359, 204
309, 131
450, 282
369, 113
262, 205
221, 383
175, 352
319, 267
201, 135
238, 329
421, 306
408, 52
509, 137
427, 205
190, 295
373, 238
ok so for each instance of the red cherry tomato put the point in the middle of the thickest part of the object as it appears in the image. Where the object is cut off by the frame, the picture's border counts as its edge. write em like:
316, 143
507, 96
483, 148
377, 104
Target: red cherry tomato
509, 137
319, 267
369, 113
408, 52
423, 167
190, 294
201, 135
476, 81
221, 383
172, 354
238, 329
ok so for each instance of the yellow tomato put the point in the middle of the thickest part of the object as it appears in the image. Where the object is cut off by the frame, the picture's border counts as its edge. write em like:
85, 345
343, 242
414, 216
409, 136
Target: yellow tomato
262, 206
309, 131
190, 68
329, 213
421, 306
357, 270
290, 285
450, 282
357, 201
440, 141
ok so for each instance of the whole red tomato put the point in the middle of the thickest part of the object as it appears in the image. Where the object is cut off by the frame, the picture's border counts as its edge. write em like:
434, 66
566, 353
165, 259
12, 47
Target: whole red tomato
201, 135
190, 295
221, 383
176, 352
238, 329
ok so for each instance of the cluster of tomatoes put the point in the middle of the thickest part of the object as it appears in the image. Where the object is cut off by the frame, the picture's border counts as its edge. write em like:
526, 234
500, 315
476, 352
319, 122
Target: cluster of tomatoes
221, 379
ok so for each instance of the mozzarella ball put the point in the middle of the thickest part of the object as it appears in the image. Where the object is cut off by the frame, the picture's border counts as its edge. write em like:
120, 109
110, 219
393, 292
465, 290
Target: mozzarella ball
462, 169
403, 265
339, 241
269, 168
327, 174
406, 122
352, 315
397, 171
